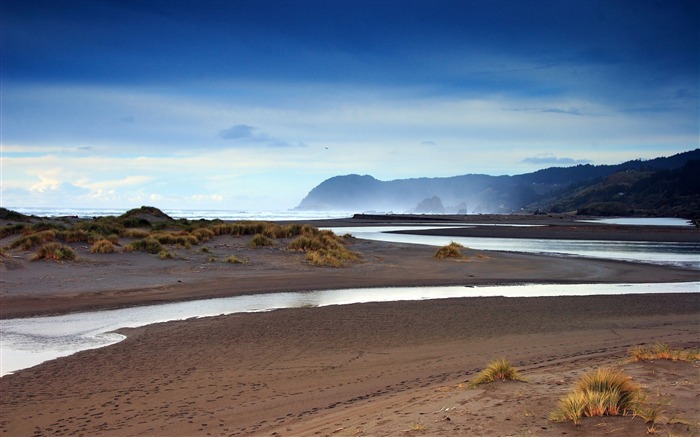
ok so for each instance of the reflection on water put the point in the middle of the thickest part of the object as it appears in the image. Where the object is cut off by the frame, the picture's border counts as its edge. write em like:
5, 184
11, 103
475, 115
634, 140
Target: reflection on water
646, 221
685, 254
30, 341
27, 342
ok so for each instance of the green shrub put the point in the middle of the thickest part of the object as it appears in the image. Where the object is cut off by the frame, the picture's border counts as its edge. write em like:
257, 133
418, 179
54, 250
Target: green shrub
495, 370
54, 252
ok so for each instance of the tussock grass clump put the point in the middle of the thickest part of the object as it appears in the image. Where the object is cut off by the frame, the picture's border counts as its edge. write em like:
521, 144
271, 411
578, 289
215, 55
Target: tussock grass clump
331, 257
602, 392
165, 254
135, 233
54, 252
260, 240
323, 248
74, 235
102, 246
495, 370
570, 407
203, 234
8, 230
148, 245
233, 259
182, 238
662, 351
452, 250
28, 241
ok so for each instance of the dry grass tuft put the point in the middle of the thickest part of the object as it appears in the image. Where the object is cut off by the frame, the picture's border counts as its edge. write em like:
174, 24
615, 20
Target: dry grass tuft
54, 252
233, 259
452, 250
495, 370
148, 245
662, 351
31, 239
323, 248
102, 246
602, 392
260, 240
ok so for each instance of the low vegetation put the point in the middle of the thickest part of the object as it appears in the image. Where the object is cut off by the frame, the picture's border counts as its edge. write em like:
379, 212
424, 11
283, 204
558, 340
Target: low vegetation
452, 250
148, 245
605, 392
323, 248
260, 240
662, 351
54, 252
233, 259
102, 246
147, 229
499, 369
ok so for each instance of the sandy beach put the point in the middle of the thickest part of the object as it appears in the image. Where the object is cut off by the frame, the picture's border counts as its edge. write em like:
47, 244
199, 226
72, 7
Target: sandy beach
368, 369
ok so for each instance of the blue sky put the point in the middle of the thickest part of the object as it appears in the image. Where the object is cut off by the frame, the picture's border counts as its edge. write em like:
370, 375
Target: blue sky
251, 104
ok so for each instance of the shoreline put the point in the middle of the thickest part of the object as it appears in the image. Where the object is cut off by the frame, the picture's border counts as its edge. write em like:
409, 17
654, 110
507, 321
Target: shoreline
373, 369
370, 369
117, 280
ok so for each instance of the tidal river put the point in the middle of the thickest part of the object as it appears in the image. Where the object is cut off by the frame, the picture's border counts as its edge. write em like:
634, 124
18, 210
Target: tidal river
29, 341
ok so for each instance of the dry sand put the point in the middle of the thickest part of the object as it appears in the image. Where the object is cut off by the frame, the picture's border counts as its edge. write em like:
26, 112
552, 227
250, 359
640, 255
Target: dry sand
368, 369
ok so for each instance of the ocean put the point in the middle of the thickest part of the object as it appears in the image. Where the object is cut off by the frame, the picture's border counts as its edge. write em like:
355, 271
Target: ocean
190, 214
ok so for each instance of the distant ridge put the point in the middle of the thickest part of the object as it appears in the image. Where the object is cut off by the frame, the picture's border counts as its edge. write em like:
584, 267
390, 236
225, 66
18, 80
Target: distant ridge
671, 181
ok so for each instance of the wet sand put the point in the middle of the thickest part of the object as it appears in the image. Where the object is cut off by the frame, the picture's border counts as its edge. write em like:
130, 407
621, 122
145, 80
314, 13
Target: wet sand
368, 369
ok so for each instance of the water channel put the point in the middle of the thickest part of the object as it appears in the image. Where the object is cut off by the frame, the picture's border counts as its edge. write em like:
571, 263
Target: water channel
29, 341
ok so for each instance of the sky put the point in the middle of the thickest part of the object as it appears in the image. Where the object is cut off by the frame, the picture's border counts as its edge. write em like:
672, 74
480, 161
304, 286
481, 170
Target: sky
249, 104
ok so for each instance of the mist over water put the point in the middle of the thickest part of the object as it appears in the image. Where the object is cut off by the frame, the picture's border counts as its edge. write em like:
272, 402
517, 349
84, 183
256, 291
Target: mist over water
190, 214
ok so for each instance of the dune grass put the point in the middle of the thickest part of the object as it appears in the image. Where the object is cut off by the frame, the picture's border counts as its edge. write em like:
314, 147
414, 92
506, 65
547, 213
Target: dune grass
233, 259
26, 242
662, 351
603, 392
153, 231
499, 369
102, 246
260, 240
148, 245
323, 248
452, 250
54, 252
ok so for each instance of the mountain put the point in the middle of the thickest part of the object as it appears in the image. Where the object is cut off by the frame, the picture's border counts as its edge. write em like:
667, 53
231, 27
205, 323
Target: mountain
665, 184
